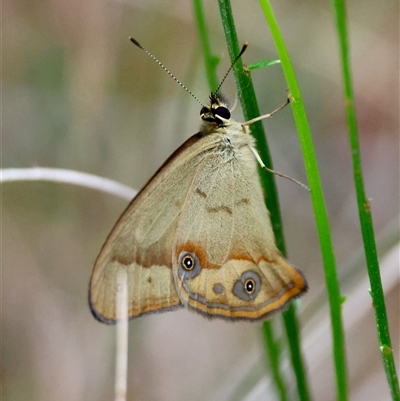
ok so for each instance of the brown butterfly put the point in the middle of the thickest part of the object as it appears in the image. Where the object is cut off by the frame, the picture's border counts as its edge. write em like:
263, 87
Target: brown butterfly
198, 234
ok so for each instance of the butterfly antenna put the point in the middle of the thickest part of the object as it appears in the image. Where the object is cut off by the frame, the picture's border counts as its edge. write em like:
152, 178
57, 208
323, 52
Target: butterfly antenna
135, 42
233, 63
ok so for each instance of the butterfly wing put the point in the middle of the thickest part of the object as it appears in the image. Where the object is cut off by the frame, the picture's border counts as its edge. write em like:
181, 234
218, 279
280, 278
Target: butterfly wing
141, 242
225, 260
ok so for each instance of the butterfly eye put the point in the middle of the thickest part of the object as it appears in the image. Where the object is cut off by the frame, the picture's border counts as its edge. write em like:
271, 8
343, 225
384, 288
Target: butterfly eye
188, 265
206, 114
222, 112
248, 286
204, 110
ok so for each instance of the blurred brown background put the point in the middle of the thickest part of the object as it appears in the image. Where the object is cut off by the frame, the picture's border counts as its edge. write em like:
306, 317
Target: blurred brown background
78, 95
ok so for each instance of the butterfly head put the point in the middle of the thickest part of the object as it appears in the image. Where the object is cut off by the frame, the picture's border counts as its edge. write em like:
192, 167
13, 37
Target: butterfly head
217, 112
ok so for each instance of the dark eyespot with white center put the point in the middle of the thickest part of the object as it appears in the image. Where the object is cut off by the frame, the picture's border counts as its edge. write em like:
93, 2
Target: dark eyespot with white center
188, 262
188, 265
248, 286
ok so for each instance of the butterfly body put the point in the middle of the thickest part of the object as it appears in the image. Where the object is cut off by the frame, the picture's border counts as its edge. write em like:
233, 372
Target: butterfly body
198, 235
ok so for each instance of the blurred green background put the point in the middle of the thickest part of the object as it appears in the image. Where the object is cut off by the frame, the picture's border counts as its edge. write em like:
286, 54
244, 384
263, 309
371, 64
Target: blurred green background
78, 95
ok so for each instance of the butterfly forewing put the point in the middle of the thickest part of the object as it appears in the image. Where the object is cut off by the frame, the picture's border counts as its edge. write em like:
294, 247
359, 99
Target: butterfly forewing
141, 241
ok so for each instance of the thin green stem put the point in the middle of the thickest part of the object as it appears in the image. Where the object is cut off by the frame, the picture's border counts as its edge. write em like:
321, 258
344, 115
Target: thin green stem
273, 351
292, 327
364, 209
321, 217
250, 108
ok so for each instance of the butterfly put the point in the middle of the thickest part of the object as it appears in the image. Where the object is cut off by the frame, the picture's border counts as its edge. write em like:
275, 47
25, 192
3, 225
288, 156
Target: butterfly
198, 235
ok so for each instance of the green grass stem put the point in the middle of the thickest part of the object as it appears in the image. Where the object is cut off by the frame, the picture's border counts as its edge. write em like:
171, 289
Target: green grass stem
364, 208
317, 198
250, 109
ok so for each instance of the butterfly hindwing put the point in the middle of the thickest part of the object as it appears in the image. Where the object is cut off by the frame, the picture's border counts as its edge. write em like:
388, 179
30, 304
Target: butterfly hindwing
226, 263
